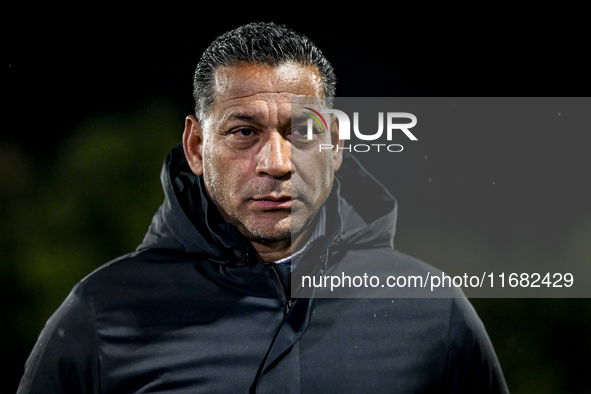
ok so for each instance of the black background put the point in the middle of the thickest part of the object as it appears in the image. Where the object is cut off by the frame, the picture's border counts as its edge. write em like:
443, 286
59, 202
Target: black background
68, 65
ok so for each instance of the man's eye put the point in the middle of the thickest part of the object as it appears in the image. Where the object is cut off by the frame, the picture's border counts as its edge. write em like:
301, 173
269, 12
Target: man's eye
243, 132
300, 131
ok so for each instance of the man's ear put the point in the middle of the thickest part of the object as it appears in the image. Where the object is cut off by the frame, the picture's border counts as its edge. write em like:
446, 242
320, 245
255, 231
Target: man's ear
193, 144
337, 154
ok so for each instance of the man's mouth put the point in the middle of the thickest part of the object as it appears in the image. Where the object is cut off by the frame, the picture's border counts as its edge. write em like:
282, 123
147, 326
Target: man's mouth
273, 202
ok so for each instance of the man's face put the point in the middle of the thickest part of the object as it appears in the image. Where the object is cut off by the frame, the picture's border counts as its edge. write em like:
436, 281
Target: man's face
243, 149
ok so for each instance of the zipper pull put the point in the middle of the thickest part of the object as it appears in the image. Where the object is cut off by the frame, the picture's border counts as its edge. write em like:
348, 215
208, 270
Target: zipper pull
285, 300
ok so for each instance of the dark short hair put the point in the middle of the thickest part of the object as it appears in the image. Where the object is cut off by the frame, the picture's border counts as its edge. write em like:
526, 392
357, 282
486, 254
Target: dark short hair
258, 43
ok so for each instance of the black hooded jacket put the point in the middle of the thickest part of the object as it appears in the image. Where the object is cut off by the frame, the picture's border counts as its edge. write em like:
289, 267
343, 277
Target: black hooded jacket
192, 310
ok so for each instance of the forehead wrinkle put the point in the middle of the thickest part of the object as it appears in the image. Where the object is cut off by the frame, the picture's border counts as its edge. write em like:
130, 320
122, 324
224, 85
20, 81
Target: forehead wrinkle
249, 111
245, 80
262, 111
287, 94
245, 84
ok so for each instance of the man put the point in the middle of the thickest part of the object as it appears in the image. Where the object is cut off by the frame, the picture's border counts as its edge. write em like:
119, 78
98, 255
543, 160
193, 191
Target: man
204, 305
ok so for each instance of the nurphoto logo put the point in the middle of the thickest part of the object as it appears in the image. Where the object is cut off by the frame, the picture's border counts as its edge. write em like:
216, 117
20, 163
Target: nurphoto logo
345, 129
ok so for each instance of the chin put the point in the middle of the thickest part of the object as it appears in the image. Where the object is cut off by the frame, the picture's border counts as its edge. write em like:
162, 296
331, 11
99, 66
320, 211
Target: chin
269, 231
271, 236
273, 229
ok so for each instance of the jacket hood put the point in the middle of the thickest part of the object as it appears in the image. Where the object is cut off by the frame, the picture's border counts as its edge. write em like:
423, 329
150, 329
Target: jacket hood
368, 209
187, 221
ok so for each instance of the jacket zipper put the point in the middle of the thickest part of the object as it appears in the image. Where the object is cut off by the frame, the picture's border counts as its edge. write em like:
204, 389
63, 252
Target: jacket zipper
285, 300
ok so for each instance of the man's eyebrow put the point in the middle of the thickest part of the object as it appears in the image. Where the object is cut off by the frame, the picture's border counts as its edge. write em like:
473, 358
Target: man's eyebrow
255, 118
299, 118
243, 116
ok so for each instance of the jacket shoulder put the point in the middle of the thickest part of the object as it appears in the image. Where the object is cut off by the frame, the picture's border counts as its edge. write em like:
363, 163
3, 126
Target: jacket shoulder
445, 319
65, 358
472, 364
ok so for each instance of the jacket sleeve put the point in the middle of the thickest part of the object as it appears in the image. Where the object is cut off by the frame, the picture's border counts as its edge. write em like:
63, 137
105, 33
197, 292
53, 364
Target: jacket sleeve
65, 358
472, 365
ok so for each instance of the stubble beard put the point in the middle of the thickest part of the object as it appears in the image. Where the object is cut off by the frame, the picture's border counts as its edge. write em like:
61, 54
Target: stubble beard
262, 229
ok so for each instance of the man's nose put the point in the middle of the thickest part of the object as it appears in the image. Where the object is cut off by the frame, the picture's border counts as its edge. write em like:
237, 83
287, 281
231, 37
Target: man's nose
274, 159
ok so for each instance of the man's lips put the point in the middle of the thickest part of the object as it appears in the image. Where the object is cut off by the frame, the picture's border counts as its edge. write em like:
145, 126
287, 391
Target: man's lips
273, 202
